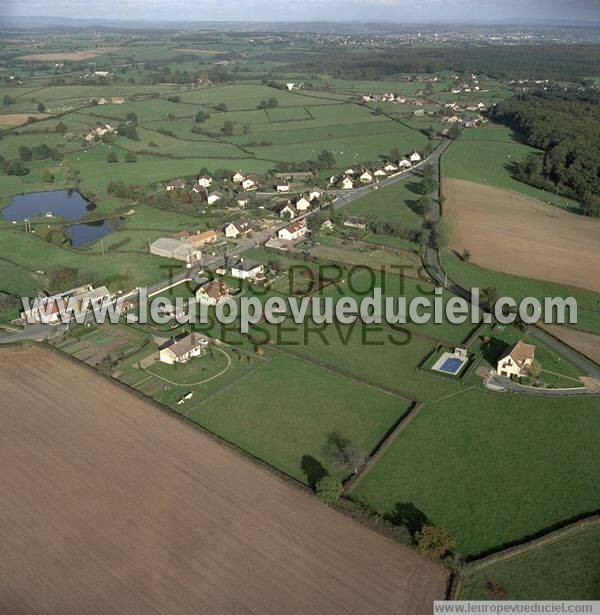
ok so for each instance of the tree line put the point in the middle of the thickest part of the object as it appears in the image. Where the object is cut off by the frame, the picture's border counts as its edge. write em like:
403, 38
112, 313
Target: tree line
565, 124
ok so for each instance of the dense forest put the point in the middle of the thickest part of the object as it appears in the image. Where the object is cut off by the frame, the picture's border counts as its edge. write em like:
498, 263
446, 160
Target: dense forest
559, 62
565, 124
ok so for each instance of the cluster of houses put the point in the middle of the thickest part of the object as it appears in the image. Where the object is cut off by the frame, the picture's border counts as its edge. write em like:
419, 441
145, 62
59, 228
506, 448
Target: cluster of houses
385, 97
299, 205
187, 246
363, 175
469, 121
98, 132
202, 188
115, 100
461, 85
184, 246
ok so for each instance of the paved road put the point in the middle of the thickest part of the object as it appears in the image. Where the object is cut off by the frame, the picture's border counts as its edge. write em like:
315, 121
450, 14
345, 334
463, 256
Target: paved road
508, 384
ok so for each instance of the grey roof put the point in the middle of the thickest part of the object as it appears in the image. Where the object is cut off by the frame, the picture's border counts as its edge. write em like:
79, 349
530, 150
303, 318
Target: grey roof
245, 265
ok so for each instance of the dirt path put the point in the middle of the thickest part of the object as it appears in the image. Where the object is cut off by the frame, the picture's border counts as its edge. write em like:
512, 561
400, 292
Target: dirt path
509, 232
109, 505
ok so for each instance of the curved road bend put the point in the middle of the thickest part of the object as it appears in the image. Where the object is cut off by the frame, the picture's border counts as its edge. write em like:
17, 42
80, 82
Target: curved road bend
435, 269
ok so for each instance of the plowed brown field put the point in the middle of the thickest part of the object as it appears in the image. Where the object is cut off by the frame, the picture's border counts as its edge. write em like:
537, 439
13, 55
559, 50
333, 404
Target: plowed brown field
509, 232
108, 505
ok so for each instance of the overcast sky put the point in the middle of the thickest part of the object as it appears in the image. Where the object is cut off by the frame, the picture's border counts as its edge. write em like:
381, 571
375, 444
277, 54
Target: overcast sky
309, 10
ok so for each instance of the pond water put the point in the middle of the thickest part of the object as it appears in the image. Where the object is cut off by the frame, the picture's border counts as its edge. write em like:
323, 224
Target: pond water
65, 204
89, 231
68, 204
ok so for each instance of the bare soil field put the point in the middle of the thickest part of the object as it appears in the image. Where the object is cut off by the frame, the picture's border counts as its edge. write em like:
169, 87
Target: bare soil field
108, 505
15, 119
585, 343
512, 233
86, 54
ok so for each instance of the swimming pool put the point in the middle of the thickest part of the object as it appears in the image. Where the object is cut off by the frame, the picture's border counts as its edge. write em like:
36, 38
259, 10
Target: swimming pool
449, 363
452, 365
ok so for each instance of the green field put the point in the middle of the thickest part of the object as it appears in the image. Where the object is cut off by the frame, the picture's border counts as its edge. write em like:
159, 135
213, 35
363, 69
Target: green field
472, 276
487, 155
564, 569
396, 203
279, 415
492, 470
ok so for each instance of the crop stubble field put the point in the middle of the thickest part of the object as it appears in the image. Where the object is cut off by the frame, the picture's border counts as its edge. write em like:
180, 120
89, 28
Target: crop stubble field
166, 519
516, 234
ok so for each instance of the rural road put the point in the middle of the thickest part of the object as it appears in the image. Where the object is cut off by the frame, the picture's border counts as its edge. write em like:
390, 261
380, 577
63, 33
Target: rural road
41, 331
432, 263
435, 269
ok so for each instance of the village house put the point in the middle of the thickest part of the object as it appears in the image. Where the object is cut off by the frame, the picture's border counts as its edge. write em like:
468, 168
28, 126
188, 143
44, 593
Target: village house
117, 100
390, 167
314, 195
241, 201
333, 179
180, 250
213, 197
204, 180
99, 132
415, 157
282, 187
247, 270
212, 293
285, 210
175, 184
235, 229
293, 231
405, 163
249, 184
366, 176
238, 177
516, 360
380, 172
346, 183
302, 203
202, 238
326, 225
183, 349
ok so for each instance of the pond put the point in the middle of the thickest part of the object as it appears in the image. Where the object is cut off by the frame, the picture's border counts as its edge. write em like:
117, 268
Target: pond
65, 204
87, 232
